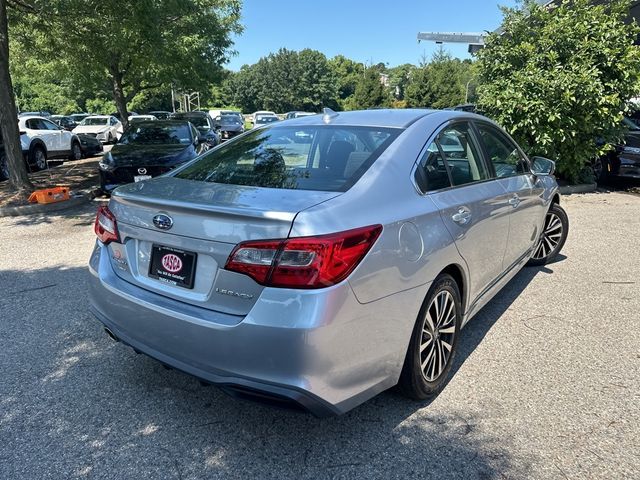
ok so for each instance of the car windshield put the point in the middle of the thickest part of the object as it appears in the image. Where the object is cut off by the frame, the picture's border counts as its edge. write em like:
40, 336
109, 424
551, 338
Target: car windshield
229, 120
266, 119
324, 158
156, 135
200, 122
95, 121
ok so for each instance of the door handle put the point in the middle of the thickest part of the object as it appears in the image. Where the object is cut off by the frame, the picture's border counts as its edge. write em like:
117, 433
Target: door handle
462, 217
514, 201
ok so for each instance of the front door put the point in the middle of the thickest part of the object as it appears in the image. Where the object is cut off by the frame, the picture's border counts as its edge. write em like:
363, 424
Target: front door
525, 204
475, 209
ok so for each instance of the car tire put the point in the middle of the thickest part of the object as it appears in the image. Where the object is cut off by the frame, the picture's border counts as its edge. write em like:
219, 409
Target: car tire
433, 342
76, 151
600, 171
39, 158
554, 234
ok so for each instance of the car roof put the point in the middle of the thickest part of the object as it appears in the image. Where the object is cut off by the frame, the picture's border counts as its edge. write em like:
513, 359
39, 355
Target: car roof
100, 116
395, 118
159, 123
190, 114
29, 117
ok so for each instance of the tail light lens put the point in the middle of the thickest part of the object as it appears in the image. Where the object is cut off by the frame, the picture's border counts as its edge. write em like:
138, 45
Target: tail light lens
305, 262
105, 226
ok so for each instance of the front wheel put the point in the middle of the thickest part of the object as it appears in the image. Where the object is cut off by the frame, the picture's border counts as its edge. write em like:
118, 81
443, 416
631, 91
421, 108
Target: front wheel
433, 342
554, 234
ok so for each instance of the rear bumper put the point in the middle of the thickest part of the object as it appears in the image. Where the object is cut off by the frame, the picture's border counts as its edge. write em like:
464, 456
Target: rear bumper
320, 349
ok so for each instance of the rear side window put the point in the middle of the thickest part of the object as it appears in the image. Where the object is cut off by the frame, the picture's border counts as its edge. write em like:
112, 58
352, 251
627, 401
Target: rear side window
324, 158
432, 173
503, 153
461, 155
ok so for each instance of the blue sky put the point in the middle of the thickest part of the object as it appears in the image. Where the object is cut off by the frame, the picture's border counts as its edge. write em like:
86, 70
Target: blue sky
368, 31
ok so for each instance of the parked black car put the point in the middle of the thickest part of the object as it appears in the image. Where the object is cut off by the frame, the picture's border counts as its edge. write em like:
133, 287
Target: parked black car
90, 146
624, 160
228, 126
65, 122
205, 125
149, 149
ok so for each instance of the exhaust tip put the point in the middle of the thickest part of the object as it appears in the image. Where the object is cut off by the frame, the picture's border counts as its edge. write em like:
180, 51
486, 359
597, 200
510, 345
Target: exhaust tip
111, 335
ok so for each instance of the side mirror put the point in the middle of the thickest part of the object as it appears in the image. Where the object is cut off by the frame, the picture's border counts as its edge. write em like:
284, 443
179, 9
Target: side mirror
542, 166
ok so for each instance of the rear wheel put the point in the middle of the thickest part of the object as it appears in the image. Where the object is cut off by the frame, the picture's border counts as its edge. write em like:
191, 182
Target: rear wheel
554, 234
433, 342
39, 158
76, 151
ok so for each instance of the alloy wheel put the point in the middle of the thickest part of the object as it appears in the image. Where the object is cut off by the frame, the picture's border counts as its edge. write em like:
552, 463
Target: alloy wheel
551, 236
438, 333
41, 159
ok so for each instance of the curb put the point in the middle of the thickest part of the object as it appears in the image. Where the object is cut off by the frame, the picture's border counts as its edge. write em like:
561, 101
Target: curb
44, 208
582, 188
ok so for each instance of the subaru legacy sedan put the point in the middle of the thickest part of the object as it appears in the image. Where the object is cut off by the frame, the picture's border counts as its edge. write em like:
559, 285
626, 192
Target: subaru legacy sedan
317, 262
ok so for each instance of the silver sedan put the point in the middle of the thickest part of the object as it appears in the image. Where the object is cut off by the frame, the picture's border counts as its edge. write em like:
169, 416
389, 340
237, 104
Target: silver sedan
318, 261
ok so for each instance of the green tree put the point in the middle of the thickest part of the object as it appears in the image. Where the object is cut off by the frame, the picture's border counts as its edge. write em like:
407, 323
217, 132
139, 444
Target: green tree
347, 73
370, 92
440, 83
136, 45
559, 78
18, 177
284, 81
399, 79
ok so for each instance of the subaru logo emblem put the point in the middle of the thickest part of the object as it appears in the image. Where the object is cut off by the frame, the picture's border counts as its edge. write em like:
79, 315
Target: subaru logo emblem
162, 221
142, 171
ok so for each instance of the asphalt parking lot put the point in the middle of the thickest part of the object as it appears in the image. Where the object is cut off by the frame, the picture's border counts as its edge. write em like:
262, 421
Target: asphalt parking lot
546, 383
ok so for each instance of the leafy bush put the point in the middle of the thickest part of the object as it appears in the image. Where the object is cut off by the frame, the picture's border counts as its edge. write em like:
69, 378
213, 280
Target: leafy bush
559, 79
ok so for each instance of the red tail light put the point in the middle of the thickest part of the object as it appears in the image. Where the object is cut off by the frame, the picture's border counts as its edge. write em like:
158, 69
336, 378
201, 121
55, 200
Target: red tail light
305, 262
106, 227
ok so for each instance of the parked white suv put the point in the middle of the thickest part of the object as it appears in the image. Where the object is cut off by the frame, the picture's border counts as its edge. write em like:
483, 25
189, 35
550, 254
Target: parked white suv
106, 128
43, 140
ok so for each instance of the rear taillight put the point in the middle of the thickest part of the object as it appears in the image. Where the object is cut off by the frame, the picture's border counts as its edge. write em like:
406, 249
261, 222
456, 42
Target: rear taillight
305, 262
106, 227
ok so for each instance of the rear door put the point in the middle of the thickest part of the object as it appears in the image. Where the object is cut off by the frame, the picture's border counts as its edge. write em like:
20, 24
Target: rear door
511, 169
474, 209
36, 127
57, 136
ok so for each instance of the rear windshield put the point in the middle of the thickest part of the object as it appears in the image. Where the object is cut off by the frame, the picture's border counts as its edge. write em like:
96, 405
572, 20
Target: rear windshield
325, 158
157, 135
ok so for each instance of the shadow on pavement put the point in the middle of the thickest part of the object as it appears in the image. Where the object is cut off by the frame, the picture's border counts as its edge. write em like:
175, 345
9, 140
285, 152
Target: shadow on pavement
75, 404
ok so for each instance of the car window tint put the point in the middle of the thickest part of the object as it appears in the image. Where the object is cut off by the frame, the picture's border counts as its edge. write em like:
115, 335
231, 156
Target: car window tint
324, 158
49, 125
432, 173
461, 155
503, 153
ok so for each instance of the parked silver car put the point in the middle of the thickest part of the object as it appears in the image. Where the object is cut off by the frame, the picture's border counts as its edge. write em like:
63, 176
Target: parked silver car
323, 260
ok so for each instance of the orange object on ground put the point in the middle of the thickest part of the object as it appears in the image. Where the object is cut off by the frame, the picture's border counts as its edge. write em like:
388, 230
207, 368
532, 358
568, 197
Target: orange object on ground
49, 195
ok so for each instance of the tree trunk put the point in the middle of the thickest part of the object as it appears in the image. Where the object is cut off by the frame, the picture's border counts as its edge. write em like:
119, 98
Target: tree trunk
18, 177
118, 94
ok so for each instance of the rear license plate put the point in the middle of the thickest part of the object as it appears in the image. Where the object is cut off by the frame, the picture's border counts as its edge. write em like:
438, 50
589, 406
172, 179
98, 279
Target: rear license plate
173, 266
139, 178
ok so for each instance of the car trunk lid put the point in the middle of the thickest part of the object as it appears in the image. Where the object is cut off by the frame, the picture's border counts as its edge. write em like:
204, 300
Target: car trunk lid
208, 220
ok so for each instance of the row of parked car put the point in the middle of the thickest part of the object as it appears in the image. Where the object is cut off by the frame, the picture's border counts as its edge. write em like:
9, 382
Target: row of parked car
46, 138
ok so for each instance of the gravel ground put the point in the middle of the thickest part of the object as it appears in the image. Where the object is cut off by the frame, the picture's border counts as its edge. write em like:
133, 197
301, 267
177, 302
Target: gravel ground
546, 384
